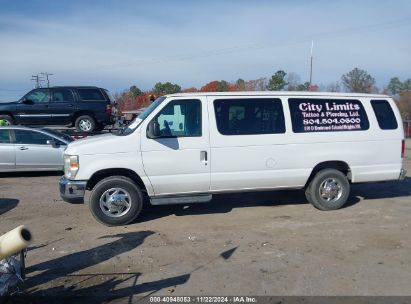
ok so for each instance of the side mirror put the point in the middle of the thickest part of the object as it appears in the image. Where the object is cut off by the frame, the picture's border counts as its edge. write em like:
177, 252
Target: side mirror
28, 101
153, 129
52, 142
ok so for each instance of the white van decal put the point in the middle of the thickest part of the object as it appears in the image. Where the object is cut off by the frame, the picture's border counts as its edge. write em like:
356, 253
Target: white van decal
321, 115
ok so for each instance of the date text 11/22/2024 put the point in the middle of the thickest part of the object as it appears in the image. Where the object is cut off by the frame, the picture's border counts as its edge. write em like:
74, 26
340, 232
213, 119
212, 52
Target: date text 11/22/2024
203, 299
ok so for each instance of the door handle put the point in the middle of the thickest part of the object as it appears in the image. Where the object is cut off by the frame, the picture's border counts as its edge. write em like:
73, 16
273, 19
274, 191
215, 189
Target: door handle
203, 157
23, 148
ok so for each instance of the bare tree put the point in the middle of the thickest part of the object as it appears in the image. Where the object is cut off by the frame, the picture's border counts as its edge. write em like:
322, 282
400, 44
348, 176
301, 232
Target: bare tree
259, 84
334, 87
293, 80
358, 81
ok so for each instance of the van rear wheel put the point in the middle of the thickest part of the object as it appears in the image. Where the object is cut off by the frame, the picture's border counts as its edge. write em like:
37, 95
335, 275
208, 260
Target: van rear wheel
328, 190
116, 201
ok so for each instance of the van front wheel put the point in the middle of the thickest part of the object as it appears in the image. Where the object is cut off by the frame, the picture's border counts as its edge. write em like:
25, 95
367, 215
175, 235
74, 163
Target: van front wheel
116, 201
328, 190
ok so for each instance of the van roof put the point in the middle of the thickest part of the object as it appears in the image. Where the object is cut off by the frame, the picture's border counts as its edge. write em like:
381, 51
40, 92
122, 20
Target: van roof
278, 93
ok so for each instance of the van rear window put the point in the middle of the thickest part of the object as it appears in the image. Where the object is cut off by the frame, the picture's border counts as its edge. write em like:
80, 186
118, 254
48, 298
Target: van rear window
327, 115
385, 116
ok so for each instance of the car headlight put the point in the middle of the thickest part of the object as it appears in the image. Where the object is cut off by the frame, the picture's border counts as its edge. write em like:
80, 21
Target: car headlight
71, 165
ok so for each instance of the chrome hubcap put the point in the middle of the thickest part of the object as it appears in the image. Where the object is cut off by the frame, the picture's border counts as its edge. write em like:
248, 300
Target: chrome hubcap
85, 125
115, 202
330, 190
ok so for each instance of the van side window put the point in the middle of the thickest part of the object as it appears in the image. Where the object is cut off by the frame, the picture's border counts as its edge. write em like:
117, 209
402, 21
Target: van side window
180, 118
327, 115
385, 116
249, 116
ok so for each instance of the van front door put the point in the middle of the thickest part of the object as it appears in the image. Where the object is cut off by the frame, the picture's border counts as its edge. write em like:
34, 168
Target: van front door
178, 160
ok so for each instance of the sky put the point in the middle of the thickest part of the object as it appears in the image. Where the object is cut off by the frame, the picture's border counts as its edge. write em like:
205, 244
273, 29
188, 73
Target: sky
116, 44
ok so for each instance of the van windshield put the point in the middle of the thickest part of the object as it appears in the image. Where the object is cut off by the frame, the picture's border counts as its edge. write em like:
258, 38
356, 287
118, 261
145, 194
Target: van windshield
139, 119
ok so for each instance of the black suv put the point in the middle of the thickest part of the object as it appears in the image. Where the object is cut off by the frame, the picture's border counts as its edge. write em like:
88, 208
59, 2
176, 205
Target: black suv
86, 108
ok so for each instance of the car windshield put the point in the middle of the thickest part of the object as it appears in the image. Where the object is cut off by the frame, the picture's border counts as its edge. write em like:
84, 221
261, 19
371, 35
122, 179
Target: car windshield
139, 119
59, 135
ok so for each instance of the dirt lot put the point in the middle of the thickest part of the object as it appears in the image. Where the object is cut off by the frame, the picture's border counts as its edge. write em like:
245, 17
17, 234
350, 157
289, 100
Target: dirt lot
242, 244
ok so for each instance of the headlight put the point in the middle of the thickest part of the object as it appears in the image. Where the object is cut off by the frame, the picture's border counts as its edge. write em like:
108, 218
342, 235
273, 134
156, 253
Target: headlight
71, 165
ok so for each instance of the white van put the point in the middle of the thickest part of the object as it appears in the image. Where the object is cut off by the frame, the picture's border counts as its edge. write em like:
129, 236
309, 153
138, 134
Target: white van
185, 147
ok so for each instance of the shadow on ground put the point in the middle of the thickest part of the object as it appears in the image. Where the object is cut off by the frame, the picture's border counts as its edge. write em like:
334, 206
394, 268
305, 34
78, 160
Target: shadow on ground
225, 203
383, 190
67, 284
7, 204
110, 286
31, 174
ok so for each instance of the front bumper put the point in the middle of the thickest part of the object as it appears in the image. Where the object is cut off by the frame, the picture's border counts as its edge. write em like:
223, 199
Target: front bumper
72, 191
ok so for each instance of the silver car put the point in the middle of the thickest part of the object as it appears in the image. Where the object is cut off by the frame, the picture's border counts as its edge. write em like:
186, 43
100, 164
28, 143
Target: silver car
29, 149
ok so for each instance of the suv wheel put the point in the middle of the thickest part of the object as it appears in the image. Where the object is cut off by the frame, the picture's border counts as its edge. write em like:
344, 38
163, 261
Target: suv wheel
85, 123
329, 190
116, 201
7, 120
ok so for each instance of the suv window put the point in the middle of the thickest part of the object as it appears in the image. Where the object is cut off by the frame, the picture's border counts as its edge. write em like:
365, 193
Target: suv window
327, 115
180, 118
32, 137
91, 94
249, 116
4, 136
60, 95
385, 116
38, 95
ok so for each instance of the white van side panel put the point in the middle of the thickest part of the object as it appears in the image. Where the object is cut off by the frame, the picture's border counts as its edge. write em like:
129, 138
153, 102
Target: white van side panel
240, 162
175, 165
105, 152
128, 160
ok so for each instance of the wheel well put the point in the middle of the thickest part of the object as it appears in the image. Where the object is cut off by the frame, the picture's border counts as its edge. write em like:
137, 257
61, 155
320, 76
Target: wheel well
332, 164
99, 175
7, 113
78, 114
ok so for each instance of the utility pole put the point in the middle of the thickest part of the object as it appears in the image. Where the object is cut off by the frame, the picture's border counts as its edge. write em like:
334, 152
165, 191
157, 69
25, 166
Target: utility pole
311, 63
37, 81
47, 78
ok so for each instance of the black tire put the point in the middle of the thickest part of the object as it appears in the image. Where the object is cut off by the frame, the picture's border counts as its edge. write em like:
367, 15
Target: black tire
338, 190
8, 118
102, 188
85, 123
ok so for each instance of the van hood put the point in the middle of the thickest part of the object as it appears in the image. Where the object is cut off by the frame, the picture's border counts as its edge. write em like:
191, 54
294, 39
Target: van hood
103, 144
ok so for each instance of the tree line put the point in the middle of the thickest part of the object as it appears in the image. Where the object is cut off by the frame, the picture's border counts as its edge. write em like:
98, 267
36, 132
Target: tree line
355, 81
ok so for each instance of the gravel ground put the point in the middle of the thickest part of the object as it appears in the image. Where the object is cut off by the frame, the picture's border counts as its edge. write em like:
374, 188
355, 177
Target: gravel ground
265, 243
